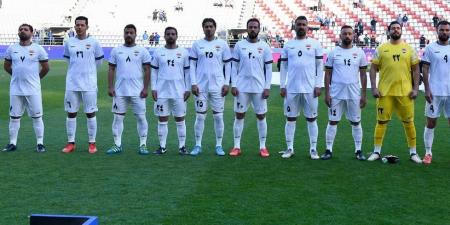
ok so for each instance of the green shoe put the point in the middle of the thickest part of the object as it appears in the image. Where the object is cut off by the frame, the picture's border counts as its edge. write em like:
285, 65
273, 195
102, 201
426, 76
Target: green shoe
114, 150
143, 150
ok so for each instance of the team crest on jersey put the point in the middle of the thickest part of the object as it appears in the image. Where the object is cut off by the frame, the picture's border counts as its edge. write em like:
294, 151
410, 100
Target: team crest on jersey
31, 52
178, 55
260, 50
355, 55
136, 53
217, 48
403, 50
88, 46
308, 46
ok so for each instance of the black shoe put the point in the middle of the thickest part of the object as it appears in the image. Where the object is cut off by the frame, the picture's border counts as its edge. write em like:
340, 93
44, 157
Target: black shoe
359, 155
160, 151
9, 148
183, 151
40, 148
327, 155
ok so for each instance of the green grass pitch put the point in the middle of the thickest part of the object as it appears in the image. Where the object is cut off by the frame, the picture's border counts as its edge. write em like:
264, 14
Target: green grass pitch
130, 189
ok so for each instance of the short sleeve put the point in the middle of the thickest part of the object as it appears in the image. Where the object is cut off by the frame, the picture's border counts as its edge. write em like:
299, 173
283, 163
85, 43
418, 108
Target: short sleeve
146, 58
236, 53
8, 56
193, 55
329, 62
268, 59
155, 62
98, 51
426, 56
113, 57
66, 53
319, 51
414, 57
284, 53
363, 61
226, 54
186, 64
376, 56
43, 56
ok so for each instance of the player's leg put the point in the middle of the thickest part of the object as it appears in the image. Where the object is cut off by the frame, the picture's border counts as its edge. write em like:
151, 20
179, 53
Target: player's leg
241, 103
384, 114
405, 109
310, 106
72, 101
353, 114
432, 111
291, 110
139, 109
16, 110
162, 111
201, 106
119, 108
35, 111
217, 105
90, 107
334, 116
260, 108
179, 112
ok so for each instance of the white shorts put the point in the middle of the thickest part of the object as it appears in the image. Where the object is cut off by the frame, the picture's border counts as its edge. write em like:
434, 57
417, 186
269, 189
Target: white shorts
170, 106
348, 106
243, 100
294, 102
215, 99
18, 104
72, 101
439, 103
120, 104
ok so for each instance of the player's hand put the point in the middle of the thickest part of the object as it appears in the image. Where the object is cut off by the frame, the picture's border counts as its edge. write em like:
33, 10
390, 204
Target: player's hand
428, 96
234, 91
283, 92
155, 95
328, 100
195, 90
144, 93
186, 95
362, 102
413, 94
376, 93
265, 94
225, 90
317, 91
111, 92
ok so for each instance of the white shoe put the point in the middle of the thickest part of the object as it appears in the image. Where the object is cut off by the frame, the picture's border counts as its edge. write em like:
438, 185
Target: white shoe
287, 154
374, 156
415, 158
314, 154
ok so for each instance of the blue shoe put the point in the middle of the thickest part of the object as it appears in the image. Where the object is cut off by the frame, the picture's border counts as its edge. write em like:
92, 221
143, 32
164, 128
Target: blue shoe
196, 150
219, 151
114, 150
143, 150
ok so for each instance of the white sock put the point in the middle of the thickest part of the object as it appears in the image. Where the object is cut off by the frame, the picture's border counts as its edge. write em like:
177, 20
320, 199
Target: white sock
142, 128
313, 131
199, 126
377, 149
92, 128
117, 129
71, 128
38, 125
162, 133
181, 131
14, 126
289, 131
428, 136
262, 132
218, 127
237, 132
412, 150
330, 134
357, 133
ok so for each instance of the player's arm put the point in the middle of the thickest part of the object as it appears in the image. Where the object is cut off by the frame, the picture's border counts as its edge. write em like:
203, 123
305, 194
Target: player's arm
44, 68
98, 55
283, 74
7, 65
268, 81
373, 80
192, 71
319, 71
147, 74
111, 77
327, 82
416, 78
235, 70
363, 79
426, 81
154, 78
187, 79
227, 70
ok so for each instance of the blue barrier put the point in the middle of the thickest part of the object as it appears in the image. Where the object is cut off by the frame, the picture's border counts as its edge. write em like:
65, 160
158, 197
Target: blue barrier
43, 219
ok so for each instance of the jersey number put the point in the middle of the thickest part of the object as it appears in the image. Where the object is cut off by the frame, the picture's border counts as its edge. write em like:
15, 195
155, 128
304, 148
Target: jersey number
347, 62
300, 53
170, 62
209, 54
249, 55
159, 108
396, 57
445, 59
199, 104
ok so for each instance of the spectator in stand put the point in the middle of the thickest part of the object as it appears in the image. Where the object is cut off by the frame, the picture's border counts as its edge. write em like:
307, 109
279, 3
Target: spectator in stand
360, 27
356, 29
405, 20
156, 38
355, 3
435, 20
399, 19
366, 40
319, 5
151, 40
155, 15
373, 25
145, 37
373, 41
423, 41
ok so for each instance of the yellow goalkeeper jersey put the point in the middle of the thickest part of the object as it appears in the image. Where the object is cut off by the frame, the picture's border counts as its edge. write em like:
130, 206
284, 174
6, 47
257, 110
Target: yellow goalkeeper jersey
394, 64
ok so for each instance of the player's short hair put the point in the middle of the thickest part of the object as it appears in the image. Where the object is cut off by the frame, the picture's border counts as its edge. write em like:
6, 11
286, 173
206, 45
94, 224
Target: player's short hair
171, 28
346, 27
393, 23
442, 22
253, 20
209, 20
130, 26
26, 25
301, 18
82, 18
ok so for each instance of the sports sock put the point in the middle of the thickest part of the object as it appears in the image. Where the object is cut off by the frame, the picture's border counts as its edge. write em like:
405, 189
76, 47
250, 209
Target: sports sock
181, 131
71, 128
14, 126
289, 131
313, 131
330, 134
38, 125
237, 128
218, 127
162, 133
199, 126
92, 128
428, 136
380, 130
142, 128
117, 129
357, 133
262, 132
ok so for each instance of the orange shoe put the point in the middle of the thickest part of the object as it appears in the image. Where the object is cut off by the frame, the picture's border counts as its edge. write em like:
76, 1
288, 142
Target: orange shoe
264, 153
70, 147
235, 152
92, 148
427, 159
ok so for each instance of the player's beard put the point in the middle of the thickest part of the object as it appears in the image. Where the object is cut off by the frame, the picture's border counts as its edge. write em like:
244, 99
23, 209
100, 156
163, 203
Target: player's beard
347, 42
396, 36
443, 37
129, 41
170, 41
252, 35
23, 37
301, 32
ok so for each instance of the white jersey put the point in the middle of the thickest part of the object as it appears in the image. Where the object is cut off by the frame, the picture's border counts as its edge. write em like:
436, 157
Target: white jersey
438, 57
300, 56
210, 57
169, 78
251, 74
82, 69
25, 61
129, 72
345, 65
